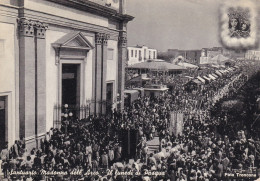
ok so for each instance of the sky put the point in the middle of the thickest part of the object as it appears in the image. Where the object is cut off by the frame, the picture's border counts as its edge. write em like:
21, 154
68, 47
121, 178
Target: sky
173, 24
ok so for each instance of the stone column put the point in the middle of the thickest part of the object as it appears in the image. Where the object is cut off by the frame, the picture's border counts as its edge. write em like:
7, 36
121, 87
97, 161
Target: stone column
98, 73
27, 80
104, 72
122, 53
40, 76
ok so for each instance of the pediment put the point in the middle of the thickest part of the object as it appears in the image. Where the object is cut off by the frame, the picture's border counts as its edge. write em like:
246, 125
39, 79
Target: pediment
75, 40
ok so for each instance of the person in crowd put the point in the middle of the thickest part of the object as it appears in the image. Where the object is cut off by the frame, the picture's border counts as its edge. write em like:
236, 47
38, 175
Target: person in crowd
203, 151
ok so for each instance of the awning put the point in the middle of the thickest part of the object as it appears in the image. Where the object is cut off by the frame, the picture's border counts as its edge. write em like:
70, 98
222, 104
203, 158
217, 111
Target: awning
201, 79
206, 78
196, 81
215, 75
219, 73
189, 77
212, 77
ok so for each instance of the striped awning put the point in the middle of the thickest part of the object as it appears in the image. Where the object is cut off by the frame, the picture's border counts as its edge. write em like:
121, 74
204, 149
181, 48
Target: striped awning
212, 77
215, 75
201, 79
206, 78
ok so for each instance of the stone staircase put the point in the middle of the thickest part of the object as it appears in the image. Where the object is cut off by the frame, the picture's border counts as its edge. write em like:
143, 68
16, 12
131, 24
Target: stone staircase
153, 145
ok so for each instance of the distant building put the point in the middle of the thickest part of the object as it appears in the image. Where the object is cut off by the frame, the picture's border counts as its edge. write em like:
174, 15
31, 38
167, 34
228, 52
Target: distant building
234, 54
140, 54
253, 55
193, 56
211, 52
208, 53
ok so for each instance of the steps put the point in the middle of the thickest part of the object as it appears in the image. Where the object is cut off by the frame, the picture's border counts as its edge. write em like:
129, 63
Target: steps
153, 145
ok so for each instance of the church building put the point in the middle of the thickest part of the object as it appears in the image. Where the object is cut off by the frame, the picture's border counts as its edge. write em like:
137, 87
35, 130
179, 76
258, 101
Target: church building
59, 59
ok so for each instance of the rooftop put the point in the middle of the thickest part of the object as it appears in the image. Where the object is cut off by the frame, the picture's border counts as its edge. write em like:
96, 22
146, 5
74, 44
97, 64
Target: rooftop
156, 64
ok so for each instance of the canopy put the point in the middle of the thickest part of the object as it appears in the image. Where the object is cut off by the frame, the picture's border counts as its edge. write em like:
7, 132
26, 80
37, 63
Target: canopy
215, 75
217, 61
189, 77
136, 79
201, 79
187, 65
219, 73
156, 65
178, 59
196, 81
219, 57
206, 78
212, 77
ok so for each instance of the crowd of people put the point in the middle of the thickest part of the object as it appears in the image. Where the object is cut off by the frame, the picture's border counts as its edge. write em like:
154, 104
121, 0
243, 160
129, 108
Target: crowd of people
202, 152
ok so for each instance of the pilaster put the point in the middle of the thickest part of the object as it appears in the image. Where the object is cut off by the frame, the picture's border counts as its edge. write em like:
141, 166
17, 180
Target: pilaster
104, 72
40, 49
27, 79
122, 58
98, 70
32, 80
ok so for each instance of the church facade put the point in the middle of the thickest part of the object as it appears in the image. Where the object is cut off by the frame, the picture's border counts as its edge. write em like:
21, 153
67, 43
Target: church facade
59, 58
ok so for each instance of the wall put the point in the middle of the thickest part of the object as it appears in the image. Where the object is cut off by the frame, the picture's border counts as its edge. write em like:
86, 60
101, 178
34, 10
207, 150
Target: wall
134, 59
7, 76
89, 71
66, 12
51, 76
52, 72
112, 67
144, 54
252, 55
112, 64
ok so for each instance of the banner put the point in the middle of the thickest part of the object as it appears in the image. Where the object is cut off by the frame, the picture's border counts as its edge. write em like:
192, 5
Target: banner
172, 123
179, 124
176, 123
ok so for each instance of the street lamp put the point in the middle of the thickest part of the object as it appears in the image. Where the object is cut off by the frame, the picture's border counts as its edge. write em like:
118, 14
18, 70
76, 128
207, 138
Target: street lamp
66, 114
118, 100
70, 114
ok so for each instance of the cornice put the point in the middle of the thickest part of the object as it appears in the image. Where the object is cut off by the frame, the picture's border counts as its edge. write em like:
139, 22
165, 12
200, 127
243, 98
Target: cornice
94, 8
9, 6
58, 21
9, 11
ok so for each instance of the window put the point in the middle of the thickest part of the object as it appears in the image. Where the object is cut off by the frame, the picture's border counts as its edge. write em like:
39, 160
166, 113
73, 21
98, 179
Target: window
135, 53
149, 54
154, 55
110, 54
132, 53
140, 55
